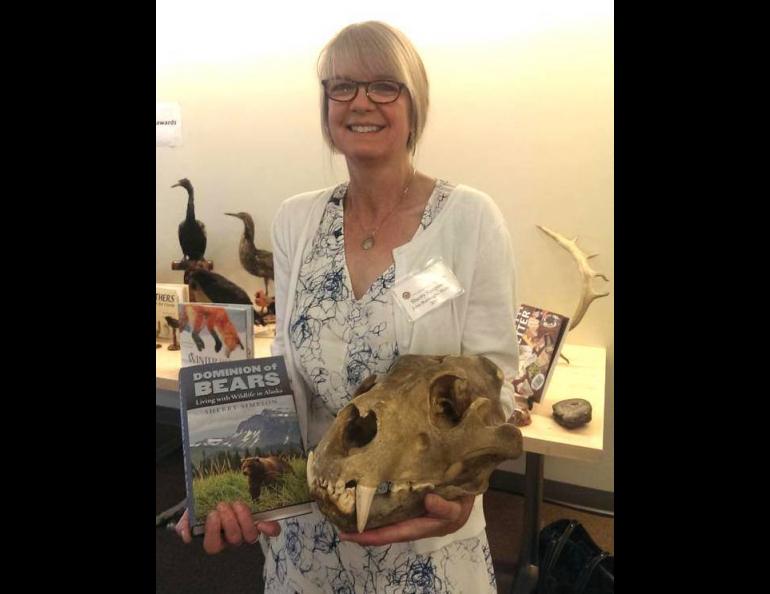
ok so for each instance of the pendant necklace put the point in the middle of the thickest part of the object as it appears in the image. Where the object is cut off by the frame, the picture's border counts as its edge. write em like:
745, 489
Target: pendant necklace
368, 241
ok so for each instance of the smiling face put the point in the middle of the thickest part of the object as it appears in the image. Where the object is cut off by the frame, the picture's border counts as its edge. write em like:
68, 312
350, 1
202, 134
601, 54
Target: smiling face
372, 51
362, 129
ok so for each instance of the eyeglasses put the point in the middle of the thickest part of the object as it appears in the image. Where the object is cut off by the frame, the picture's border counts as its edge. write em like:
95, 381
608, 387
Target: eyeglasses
379, 91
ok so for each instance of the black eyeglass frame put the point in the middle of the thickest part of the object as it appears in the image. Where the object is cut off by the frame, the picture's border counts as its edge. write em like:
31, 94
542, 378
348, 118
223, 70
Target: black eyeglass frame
358, 83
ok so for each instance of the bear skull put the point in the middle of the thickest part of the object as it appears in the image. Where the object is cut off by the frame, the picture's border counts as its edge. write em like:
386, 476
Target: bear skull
432, 424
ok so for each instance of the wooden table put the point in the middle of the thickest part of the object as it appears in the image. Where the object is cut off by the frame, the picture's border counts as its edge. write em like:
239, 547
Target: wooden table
582, 378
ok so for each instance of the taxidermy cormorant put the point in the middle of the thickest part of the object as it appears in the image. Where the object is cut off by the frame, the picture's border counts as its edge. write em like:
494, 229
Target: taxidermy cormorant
254, 260
192, 233
210, 287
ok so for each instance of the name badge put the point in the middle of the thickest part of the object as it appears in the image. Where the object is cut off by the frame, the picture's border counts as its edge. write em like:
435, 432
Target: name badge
426, 289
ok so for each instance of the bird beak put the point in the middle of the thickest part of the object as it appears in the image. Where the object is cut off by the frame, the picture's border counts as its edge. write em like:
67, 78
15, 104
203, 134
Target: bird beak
232, 214
175, 185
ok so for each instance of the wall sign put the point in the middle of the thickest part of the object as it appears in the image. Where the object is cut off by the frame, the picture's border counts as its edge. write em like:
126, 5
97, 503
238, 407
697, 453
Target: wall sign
168, 124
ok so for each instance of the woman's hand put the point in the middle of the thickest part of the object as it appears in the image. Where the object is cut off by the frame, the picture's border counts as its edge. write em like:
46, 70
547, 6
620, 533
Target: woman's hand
232, 519
443, 517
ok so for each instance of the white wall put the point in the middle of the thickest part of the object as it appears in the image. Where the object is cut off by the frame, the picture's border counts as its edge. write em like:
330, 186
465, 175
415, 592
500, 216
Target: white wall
521, 108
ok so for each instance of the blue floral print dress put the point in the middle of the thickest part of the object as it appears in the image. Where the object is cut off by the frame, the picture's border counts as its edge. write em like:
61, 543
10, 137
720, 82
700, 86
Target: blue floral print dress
339, 342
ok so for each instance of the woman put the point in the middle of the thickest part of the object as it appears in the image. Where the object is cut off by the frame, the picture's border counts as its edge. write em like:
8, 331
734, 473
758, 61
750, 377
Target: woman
338, 254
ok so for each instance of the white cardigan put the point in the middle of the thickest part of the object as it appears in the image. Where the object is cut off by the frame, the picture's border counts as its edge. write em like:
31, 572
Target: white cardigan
471, 237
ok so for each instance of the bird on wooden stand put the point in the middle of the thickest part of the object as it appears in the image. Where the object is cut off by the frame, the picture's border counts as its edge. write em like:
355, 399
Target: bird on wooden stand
192, 233
254, 260
209, 287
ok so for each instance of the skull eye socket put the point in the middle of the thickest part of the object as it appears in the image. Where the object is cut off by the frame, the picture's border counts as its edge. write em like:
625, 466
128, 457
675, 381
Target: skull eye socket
359, 430
449, 399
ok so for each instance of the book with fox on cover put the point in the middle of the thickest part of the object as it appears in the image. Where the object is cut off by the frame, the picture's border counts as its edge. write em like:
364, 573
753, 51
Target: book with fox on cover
241, 440
213, 332
168, 296
540, 335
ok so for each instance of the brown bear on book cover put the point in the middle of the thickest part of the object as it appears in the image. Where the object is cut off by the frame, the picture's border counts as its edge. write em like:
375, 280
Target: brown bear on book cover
263, 470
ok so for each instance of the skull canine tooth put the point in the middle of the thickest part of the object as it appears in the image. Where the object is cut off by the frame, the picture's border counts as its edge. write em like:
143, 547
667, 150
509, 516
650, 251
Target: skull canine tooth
364, 497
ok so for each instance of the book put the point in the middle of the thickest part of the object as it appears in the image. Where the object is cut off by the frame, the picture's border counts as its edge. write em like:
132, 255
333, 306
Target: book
540, 335
214, 332
241, 440
168, 296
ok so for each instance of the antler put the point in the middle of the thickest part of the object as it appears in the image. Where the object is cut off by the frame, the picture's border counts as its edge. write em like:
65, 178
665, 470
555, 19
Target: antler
586, 273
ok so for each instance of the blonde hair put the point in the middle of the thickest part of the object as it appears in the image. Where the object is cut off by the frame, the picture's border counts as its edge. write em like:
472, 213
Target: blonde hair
381, 50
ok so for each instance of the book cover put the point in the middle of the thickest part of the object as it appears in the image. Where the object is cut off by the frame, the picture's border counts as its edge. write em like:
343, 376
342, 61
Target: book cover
241, 440
168, 296
540, 335
214, 332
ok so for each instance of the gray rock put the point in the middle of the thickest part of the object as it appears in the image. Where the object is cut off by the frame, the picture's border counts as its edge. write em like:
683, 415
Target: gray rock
572, 413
